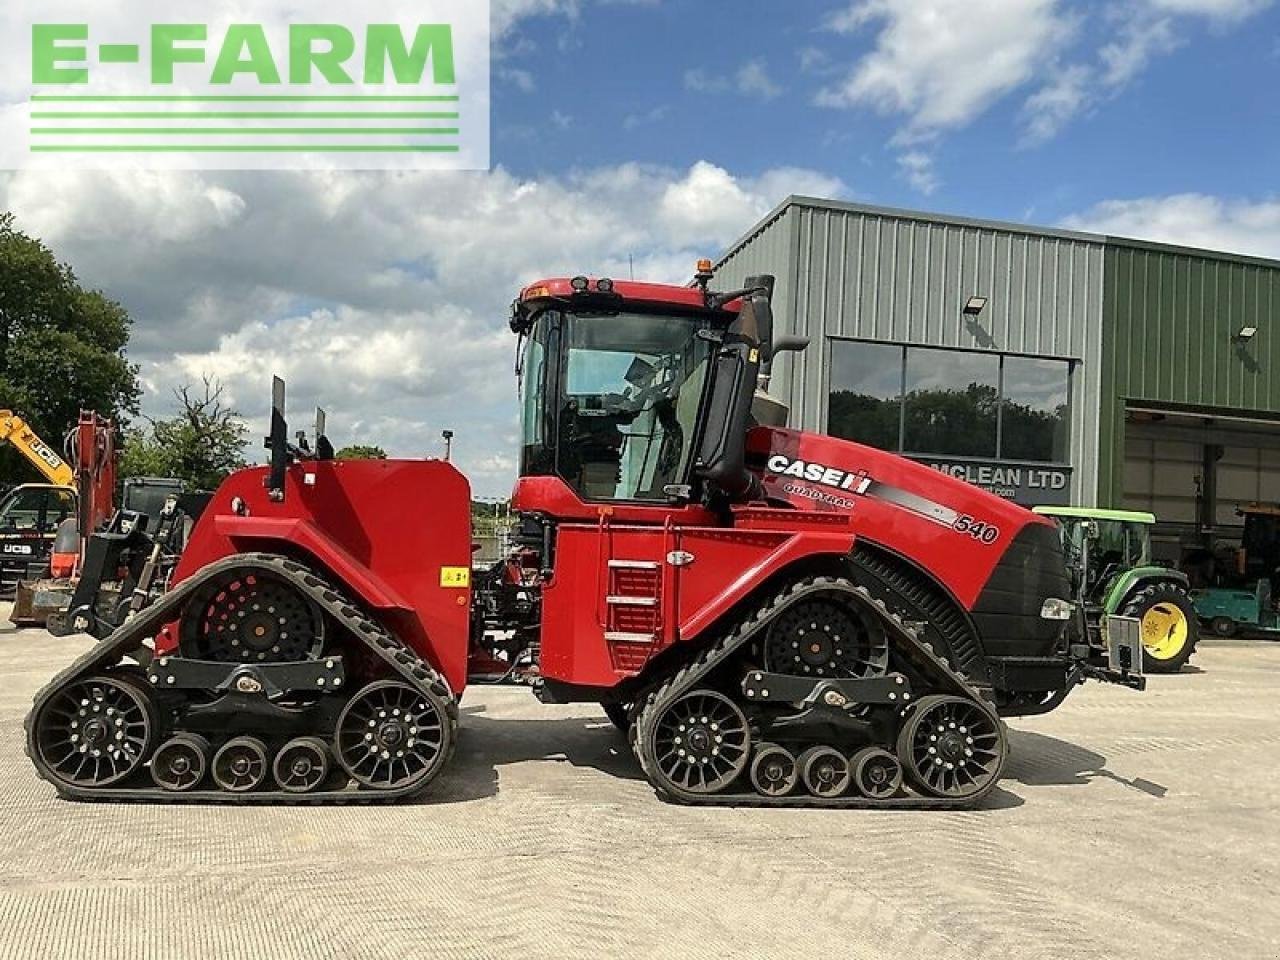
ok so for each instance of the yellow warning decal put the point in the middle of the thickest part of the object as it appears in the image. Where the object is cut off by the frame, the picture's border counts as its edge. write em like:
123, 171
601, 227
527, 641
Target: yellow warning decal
754, 356
455, 576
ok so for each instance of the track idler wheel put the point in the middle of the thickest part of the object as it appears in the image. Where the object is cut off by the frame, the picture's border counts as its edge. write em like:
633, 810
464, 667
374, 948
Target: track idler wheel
95, 732
952, 747
702, 742
773, 771
301, 765
240, 765
391, 736
877, 774
825, 771
180, 762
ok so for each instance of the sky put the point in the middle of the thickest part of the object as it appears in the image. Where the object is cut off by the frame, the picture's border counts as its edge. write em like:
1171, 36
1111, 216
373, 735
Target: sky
643, 134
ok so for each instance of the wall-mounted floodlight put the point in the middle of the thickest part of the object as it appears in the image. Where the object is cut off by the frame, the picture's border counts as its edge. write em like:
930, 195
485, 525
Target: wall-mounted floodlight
975, 306
1246, 334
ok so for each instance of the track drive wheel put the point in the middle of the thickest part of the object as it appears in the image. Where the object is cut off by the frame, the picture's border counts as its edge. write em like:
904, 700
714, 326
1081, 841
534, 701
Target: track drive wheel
951, 747
774, 772
391, 736
240, 765
256, 617
701, 742
824, 636
825, 771
95, 732
179, 764
1168, 624
877, 774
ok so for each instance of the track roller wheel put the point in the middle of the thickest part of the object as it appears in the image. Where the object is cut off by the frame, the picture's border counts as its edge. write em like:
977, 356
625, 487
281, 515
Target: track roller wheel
951, 747
391, 735
877, 774
702, 742
241, 764
825, 771
773, 771
180, 762
95, 732
301, 765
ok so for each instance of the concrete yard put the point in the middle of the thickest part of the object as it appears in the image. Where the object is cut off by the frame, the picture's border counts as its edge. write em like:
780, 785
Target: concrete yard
1127, 826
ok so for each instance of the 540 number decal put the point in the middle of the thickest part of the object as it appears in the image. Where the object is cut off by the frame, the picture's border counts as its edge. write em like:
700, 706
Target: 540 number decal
978, 529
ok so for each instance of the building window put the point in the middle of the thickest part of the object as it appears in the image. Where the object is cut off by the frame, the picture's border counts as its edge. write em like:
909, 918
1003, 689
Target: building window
1033, 412
865, 403
952, 403
958, 403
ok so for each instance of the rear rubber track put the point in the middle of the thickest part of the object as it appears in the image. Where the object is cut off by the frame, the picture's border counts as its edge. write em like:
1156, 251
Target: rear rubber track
128, 641
903, 640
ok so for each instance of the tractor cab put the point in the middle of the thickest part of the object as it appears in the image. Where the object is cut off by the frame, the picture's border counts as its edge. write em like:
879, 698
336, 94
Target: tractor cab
639, 394
1099, 544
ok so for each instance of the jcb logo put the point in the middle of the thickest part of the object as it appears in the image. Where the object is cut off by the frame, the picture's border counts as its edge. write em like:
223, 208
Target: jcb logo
45, 453
19, 548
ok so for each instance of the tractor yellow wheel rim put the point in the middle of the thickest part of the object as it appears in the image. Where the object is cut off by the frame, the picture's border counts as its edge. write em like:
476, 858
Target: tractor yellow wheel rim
1164, 631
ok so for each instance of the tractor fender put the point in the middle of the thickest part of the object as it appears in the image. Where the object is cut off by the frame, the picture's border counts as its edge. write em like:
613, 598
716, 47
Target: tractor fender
1132, 580
257, 533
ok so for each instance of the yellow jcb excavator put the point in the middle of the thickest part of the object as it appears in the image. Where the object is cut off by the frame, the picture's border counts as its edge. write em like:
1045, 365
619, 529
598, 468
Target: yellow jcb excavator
31, 512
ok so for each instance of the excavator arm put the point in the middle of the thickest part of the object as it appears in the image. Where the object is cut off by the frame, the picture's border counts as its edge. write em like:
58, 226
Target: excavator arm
15, 430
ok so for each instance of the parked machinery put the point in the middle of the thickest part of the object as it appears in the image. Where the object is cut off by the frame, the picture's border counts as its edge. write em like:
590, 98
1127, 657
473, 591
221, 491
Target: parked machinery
777, 617
1109, 558
30, 513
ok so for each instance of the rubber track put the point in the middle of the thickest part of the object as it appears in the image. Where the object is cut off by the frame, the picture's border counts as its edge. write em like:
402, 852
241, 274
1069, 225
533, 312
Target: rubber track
128, 639
920, 654
904, 580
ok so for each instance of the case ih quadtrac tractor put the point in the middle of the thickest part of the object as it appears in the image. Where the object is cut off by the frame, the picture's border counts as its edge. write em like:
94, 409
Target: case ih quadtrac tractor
779, 618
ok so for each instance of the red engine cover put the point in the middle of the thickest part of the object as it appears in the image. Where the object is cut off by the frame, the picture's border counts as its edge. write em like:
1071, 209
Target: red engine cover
951, 528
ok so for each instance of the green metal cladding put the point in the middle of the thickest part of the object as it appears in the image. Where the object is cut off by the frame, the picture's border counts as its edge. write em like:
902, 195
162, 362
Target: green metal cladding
1169, 337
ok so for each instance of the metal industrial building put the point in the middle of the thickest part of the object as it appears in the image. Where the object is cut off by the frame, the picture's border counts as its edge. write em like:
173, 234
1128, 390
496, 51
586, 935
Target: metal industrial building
1047, 365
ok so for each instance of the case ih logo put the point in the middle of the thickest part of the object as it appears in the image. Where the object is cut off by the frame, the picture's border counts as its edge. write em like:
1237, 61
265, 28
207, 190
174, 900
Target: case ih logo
819, 473
386, 83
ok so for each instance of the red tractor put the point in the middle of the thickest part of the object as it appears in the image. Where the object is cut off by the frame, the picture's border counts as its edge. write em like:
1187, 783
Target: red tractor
778, 618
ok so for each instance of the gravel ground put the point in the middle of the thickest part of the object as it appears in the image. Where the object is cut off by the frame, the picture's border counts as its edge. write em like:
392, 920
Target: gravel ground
1128, 825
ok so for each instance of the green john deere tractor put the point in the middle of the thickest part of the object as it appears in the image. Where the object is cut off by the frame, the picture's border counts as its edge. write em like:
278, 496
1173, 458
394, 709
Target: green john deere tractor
1109, 555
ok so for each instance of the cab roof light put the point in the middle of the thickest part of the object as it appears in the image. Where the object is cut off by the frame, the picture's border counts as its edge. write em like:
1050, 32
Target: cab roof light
580, 284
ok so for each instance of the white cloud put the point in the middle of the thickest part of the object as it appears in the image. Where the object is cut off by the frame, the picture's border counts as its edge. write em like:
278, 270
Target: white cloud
1056, 103
750, 80
1217, 9
1191, 219
942, 63
382, 297
643, 118
916, 167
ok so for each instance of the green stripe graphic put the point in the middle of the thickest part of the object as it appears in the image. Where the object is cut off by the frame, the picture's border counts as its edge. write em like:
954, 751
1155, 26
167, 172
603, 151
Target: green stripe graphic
84, 98
255, 115
242, 148
242, 131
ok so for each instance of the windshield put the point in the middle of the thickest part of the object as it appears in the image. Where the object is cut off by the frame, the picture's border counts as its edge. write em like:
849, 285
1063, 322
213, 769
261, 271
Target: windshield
35, 509
624, 392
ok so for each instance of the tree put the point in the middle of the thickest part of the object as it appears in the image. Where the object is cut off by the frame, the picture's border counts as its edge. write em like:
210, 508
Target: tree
200, 446
361, 451
61, 346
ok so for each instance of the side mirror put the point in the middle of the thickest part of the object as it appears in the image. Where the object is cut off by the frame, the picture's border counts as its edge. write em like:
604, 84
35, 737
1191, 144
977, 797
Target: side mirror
790, 343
